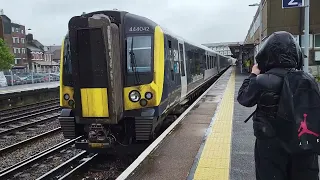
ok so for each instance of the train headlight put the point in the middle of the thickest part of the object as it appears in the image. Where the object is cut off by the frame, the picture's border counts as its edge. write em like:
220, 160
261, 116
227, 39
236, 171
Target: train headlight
148, 95
66, 96
134, 96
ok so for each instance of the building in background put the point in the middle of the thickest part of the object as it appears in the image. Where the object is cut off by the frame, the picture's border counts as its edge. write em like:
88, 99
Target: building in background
19, 44
274, 18
53, 53
14, 36
39, 58
222, 48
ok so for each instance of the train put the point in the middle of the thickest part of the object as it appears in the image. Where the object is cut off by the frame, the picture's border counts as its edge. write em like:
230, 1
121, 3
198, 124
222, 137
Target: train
123, 75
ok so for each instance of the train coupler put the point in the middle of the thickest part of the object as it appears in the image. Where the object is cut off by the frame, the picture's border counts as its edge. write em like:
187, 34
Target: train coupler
98, 138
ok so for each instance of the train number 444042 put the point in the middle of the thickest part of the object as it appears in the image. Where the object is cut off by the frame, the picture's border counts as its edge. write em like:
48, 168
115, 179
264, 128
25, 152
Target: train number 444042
139, 29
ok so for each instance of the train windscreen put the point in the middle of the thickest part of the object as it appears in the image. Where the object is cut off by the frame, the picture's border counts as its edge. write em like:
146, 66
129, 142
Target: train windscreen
139, 53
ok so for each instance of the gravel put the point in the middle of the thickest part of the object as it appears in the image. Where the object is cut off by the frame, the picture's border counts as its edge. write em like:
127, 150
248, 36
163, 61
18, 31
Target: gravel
11, 158
28, 133
108, 167
47, 164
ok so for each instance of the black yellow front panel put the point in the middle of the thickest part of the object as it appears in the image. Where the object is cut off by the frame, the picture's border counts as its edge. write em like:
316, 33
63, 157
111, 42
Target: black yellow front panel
94, 105
156, 86
94, 102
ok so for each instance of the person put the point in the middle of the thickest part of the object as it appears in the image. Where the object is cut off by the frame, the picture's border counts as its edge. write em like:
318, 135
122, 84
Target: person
247, 64
272, 161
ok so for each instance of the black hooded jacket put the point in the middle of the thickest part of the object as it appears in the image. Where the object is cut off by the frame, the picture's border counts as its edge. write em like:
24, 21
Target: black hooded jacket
279, 51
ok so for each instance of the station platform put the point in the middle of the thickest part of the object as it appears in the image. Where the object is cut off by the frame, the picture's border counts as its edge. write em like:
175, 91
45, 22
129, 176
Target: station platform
211, 143
28, 87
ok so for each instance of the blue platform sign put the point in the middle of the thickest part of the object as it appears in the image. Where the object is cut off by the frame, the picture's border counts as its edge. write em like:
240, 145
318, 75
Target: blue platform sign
292, 3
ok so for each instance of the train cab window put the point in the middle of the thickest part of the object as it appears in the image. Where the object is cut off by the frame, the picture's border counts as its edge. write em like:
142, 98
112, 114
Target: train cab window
139, 54
67, 66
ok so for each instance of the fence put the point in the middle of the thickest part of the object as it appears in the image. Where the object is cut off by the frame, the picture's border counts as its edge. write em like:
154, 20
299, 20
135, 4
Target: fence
21, 76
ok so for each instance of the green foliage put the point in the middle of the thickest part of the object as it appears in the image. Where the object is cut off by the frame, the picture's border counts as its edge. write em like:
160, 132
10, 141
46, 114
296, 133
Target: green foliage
6, 57
317, 78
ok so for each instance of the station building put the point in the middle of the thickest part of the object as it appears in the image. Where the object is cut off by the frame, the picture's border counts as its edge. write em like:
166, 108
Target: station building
275, 18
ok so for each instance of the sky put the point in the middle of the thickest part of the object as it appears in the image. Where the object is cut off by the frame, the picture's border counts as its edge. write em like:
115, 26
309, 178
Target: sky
199, 21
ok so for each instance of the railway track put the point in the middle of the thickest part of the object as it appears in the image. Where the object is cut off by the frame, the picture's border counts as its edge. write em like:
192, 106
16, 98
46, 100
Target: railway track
44, 162
27, 109
21, 123
27, 141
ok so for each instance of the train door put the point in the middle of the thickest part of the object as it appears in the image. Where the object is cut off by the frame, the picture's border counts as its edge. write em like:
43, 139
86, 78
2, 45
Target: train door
182, 69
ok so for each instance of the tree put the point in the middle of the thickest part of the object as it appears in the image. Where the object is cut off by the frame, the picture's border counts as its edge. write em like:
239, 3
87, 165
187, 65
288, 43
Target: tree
6, 57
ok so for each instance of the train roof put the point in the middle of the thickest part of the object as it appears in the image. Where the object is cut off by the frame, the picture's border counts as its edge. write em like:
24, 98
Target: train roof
165, 30
190, 42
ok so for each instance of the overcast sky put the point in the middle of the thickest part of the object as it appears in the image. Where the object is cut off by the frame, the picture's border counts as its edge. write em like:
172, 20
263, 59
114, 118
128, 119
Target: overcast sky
200, 21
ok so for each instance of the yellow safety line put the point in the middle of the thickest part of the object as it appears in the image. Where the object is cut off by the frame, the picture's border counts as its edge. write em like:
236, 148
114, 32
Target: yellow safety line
214, 163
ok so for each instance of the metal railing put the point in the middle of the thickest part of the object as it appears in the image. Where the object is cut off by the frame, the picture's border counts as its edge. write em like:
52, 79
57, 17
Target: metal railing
18, 77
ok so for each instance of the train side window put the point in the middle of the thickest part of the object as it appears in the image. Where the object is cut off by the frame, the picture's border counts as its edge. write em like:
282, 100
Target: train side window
181, 58
176, 57
190, 58
193, 63
171, 59
204, 65
211, 59
208, 62
197, 63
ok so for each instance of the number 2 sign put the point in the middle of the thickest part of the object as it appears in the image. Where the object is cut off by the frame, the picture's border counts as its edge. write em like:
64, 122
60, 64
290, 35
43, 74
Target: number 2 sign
292, 3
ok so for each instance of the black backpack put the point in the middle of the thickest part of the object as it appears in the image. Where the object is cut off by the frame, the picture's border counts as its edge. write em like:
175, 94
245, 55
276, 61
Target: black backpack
297, 123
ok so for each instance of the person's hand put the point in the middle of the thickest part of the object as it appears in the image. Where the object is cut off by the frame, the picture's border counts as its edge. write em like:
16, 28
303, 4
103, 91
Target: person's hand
255, 69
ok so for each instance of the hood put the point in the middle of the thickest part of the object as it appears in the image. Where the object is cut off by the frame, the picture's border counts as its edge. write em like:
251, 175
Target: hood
280, 50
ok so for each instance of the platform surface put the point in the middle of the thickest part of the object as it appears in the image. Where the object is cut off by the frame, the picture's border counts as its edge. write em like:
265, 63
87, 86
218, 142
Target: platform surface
28, 87
175, 157
242, 154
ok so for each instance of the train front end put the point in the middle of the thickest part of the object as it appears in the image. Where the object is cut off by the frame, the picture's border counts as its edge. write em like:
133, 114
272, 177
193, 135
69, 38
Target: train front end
111, 74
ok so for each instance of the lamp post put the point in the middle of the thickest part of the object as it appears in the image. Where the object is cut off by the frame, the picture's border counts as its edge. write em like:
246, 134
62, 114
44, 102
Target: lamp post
260, 26
260, 16
306, 36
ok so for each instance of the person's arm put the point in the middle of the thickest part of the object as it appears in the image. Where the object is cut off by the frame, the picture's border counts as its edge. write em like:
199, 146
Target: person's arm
249, 91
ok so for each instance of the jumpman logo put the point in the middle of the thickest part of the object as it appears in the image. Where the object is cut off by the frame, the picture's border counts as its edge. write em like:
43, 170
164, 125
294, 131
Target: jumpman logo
303, 129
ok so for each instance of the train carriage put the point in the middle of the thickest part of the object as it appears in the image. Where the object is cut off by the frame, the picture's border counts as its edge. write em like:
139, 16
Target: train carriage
122, 75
